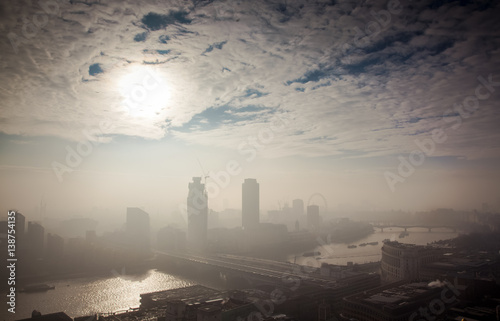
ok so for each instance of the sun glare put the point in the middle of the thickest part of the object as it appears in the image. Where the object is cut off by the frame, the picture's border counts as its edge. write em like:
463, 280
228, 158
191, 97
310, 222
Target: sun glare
145, 91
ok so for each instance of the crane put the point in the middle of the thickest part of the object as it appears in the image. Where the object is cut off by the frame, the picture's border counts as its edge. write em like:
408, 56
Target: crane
204, 176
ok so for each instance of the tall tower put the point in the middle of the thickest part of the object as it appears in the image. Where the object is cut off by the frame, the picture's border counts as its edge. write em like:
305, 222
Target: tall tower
197, 210
250, 203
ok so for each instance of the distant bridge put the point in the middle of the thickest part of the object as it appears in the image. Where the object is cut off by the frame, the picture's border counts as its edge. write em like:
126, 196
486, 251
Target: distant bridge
241, 271
381, 226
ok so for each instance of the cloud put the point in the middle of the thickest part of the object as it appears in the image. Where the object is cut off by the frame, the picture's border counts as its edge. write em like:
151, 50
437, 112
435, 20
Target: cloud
230, 67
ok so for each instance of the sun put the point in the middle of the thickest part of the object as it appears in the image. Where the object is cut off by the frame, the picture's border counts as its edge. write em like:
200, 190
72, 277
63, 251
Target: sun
145, 91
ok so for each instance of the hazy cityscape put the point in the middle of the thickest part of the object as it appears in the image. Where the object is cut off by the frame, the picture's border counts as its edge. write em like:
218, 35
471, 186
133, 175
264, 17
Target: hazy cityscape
190, 160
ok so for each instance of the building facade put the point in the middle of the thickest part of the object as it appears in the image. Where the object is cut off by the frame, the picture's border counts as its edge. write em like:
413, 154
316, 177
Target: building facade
197, 210
404, 261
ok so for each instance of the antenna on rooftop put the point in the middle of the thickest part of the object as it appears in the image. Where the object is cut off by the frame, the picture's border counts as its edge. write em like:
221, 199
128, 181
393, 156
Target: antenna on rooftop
204, 176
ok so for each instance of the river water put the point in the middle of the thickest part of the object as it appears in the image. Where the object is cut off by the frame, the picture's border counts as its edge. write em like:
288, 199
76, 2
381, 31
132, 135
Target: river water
84, 296
119, 291
335, 253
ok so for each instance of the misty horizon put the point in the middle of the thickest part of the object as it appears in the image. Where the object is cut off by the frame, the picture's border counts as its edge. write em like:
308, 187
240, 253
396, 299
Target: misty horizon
328, 160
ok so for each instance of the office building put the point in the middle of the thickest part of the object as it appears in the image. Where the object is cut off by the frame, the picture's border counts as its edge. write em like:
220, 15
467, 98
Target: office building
250, 203
404, 261
398, 301
197, 210
20, 224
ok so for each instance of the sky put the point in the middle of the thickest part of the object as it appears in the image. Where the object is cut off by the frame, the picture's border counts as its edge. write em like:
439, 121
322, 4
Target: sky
349, 104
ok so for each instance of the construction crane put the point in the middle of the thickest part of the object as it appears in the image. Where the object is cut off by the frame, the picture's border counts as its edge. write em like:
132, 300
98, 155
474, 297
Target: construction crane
204, 176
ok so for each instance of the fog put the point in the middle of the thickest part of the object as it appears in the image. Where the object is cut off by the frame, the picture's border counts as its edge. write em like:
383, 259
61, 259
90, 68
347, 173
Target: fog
250, 160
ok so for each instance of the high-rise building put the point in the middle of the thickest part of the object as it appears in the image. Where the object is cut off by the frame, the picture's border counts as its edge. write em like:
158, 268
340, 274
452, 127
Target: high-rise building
137, 229
197, 210
250, 203
313, 220
20, 223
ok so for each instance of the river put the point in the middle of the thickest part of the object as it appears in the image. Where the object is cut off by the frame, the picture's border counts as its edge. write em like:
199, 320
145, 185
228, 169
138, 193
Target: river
120, 291
338, 253
84, 296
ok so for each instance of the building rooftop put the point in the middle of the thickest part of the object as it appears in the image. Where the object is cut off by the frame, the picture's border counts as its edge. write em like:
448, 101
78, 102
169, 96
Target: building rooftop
58, 316
396, 297
408, 246
188, 295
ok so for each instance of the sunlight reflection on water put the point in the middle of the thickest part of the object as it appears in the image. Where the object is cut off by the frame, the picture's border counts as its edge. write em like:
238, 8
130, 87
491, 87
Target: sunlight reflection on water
84, 296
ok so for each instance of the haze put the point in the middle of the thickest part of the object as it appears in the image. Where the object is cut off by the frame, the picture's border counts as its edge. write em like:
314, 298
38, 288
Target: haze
289, 94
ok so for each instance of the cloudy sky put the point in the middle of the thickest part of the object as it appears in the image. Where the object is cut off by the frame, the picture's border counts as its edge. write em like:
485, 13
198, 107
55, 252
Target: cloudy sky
373, 104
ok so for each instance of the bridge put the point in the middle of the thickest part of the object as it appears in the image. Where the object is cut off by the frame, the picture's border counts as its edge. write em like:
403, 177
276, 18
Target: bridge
242, 272
381, 226
272, 283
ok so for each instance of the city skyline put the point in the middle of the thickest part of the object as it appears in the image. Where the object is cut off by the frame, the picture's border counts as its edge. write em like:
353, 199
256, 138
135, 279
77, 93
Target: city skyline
375, 105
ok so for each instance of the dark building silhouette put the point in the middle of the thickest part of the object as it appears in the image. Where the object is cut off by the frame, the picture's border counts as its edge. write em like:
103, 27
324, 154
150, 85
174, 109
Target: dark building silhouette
20, 225
137, 229
59, 316
35, 238
313, 219
250, 203
197, 210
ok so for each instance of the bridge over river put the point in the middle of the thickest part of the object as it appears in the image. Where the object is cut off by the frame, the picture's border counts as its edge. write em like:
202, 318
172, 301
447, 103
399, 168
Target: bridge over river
381, 226
241, 271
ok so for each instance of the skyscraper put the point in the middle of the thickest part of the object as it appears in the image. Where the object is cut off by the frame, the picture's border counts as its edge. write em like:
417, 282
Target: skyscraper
250, 203
197, 210
137, 229
20, 224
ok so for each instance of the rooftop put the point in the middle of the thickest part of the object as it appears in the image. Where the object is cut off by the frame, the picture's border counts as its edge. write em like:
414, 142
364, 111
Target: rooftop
189, 295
